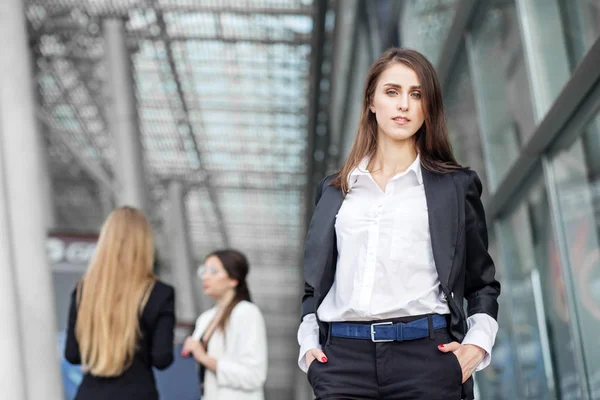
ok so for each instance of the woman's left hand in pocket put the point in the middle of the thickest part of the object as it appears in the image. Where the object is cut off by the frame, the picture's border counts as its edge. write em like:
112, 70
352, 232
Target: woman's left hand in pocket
469, 356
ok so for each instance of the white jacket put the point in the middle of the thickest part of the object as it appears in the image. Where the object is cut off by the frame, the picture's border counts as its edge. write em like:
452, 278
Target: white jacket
241, 354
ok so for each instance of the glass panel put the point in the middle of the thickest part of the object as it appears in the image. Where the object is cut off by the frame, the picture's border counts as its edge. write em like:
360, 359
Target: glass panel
582, 22
501, 86
498, 380
577, 173
462, 121
545, 50
544, 347
425, 24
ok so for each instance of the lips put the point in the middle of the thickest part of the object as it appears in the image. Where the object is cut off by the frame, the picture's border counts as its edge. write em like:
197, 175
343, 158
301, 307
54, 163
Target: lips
401, 120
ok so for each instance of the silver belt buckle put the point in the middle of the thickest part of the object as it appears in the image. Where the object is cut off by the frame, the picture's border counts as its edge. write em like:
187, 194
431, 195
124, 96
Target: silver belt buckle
373, 332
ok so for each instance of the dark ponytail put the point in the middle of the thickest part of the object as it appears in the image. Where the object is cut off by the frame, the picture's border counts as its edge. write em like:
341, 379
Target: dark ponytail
237, 267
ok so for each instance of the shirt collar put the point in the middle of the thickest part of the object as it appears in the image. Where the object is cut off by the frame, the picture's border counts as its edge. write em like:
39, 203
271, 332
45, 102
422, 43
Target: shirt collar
361, 169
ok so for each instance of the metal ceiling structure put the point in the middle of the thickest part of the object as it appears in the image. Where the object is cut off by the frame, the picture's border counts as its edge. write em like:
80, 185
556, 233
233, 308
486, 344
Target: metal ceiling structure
223, 93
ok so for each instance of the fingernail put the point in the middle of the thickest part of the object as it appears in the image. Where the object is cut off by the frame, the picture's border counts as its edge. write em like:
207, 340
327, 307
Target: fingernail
324, 359
441, 346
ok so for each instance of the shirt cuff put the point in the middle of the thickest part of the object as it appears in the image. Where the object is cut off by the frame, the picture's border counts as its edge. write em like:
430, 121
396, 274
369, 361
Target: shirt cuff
308, 338
482, 331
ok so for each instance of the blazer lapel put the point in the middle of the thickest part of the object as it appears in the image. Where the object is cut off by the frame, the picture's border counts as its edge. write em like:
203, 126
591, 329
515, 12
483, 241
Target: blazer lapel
442, 206
320, 238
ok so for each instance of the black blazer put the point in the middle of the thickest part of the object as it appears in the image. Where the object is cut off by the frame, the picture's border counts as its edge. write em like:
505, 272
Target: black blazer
155, 349
458, 238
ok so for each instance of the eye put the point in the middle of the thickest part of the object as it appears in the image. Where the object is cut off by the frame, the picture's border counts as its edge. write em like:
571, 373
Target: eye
416, 95
391, 92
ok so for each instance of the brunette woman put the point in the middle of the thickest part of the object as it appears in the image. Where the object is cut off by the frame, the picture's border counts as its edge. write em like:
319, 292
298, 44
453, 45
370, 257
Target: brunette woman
396, 245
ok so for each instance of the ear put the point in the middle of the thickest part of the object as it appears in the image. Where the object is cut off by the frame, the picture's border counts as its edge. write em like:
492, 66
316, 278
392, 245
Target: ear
233, 283
371, 106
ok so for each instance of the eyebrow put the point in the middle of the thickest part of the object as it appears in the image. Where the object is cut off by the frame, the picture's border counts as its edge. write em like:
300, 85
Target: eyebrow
395, 85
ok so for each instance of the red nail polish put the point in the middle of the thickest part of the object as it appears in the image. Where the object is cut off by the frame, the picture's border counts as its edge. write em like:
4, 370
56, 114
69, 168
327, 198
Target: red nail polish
441, 346
324, 359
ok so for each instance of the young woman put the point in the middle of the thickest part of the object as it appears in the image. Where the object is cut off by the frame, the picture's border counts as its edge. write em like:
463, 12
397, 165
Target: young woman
230, 340
396, 244
121, 317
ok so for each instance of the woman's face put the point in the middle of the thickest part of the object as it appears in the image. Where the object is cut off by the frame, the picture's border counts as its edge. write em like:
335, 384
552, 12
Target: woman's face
397, 103
216, 282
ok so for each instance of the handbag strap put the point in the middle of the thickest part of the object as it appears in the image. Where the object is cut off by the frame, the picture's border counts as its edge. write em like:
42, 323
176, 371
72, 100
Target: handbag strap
208, 334
212, 327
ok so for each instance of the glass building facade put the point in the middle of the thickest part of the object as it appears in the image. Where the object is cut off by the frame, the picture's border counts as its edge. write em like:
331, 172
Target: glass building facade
521, 85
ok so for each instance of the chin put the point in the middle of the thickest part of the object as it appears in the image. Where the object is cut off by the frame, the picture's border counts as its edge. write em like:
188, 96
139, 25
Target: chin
401, 136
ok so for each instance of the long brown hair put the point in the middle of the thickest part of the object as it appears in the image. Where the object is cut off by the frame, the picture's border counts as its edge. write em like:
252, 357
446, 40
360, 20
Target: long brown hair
237, 267
113, 289
431, 139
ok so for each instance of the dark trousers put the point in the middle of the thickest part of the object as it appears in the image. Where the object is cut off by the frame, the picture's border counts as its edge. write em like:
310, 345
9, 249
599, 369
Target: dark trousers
408, 370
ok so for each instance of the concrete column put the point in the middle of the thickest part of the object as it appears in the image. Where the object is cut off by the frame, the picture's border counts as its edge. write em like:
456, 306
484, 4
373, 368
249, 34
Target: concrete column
23, 199
12, 373
43, 129
46, 182
182, 265
122, 118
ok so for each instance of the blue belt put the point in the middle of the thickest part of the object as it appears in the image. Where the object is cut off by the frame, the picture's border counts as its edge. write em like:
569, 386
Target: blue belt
388, 331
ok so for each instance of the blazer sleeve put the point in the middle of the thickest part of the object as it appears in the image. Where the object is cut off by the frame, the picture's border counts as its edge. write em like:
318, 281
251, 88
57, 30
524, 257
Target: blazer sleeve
72, 346
308, 305
481, 287
245, 367
161, 352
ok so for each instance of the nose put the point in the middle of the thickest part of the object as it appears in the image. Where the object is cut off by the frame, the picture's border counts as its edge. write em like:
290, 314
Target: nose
402, 103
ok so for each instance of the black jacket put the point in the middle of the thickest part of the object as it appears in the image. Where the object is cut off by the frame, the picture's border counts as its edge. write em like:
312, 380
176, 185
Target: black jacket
155, 349
458, 239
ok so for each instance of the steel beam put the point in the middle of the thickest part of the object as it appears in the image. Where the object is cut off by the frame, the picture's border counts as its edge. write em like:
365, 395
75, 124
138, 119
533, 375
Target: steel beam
313, 173
584, 79
95, 171
465, 12
343, 67
186, 120
64, 97
389, 35
68, 5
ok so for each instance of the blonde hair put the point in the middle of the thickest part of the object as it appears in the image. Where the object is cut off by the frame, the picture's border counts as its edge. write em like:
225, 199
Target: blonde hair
114, 288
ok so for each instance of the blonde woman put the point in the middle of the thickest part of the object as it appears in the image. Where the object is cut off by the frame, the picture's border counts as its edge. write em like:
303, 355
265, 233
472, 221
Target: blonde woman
121, 317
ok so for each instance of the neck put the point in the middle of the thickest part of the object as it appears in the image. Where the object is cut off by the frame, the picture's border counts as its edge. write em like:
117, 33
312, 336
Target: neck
225, 298
392, 156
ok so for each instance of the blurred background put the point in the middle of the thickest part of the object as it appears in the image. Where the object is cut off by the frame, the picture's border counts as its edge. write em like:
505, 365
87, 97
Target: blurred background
218, 119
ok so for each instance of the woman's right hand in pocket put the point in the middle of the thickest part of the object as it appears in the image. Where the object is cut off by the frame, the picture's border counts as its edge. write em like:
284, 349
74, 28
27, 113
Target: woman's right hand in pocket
314, 354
